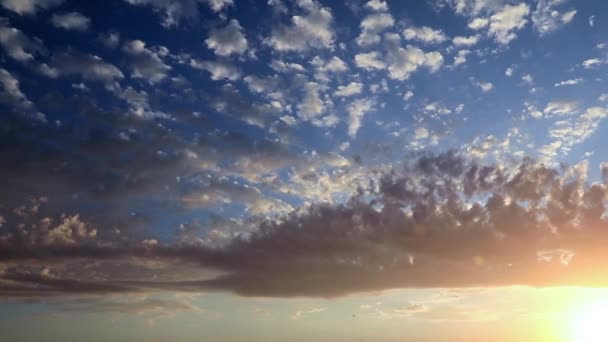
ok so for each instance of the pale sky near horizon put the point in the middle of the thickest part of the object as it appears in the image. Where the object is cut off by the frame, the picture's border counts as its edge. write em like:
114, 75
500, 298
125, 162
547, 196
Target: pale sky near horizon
303, 170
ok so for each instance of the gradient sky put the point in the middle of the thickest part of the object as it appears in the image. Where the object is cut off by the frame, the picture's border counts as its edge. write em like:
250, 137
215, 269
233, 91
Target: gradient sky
304, 170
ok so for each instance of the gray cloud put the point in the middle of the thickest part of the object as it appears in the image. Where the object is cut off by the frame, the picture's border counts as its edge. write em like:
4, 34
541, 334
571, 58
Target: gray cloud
72, 21
173, 12
29, 6
441, 221
17, 45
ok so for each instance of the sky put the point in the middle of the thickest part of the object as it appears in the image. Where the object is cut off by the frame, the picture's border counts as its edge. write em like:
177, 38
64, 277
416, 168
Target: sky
241, 170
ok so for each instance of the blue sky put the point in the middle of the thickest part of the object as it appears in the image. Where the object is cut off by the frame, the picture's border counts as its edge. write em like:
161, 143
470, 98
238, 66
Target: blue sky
286, 148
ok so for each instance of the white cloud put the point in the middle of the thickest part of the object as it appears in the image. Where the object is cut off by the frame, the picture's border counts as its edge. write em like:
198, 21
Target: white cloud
323, 68
561, 108
424, 34
459, 108
72, 21
312, 105
283, 67
421, 133
353, 88
527, 78
369, 61
175, 11
509, 19
465, 41
478, 23
17, 45
356, 111
372, 26
11, 93
461, 57
603, 97
436, 107
575, 130
89, 67
485, 86
509, 72
310, 30
591, 21
335, 64
218, 5
219, 70
147, 63
377, 5
288, 120
29, 6
409, 59
473, 8
227, 40
592, 63
546, 18
408, 95
574, 81
261, 85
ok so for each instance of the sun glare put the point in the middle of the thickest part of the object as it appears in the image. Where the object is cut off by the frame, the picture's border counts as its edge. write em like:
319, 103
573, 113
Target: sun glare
590, 324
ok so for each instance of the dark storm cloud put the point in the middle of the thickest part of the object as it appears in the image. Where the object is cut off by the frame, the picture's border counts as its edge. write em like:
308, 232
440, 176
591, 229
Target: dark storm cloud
441, 221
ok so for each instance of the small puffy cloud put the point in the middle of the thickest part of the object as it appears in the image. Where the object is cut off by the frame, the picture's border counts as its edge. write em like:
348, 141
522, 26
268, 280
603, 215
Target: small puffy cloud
505, 22
546, 18
409, 59
110, 40
147, 63
574, 130
227, 40
509, 72
478, 23
369, 61
261, 84
592, 63
29, 6
408, 95
573, 81
425, 34
219, 70
324, 69
465, 41
173, 12
421, 133
17, 45
485, 86
436, 107
334, 64
372, 26
288, 120
312, 30
10, 93
284, 67
89, 67
356, 110
72, 21
528, 79
591, 21
218, 5
377, 5
473, 8
312, 105
561, 108
461, 57
353, 88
